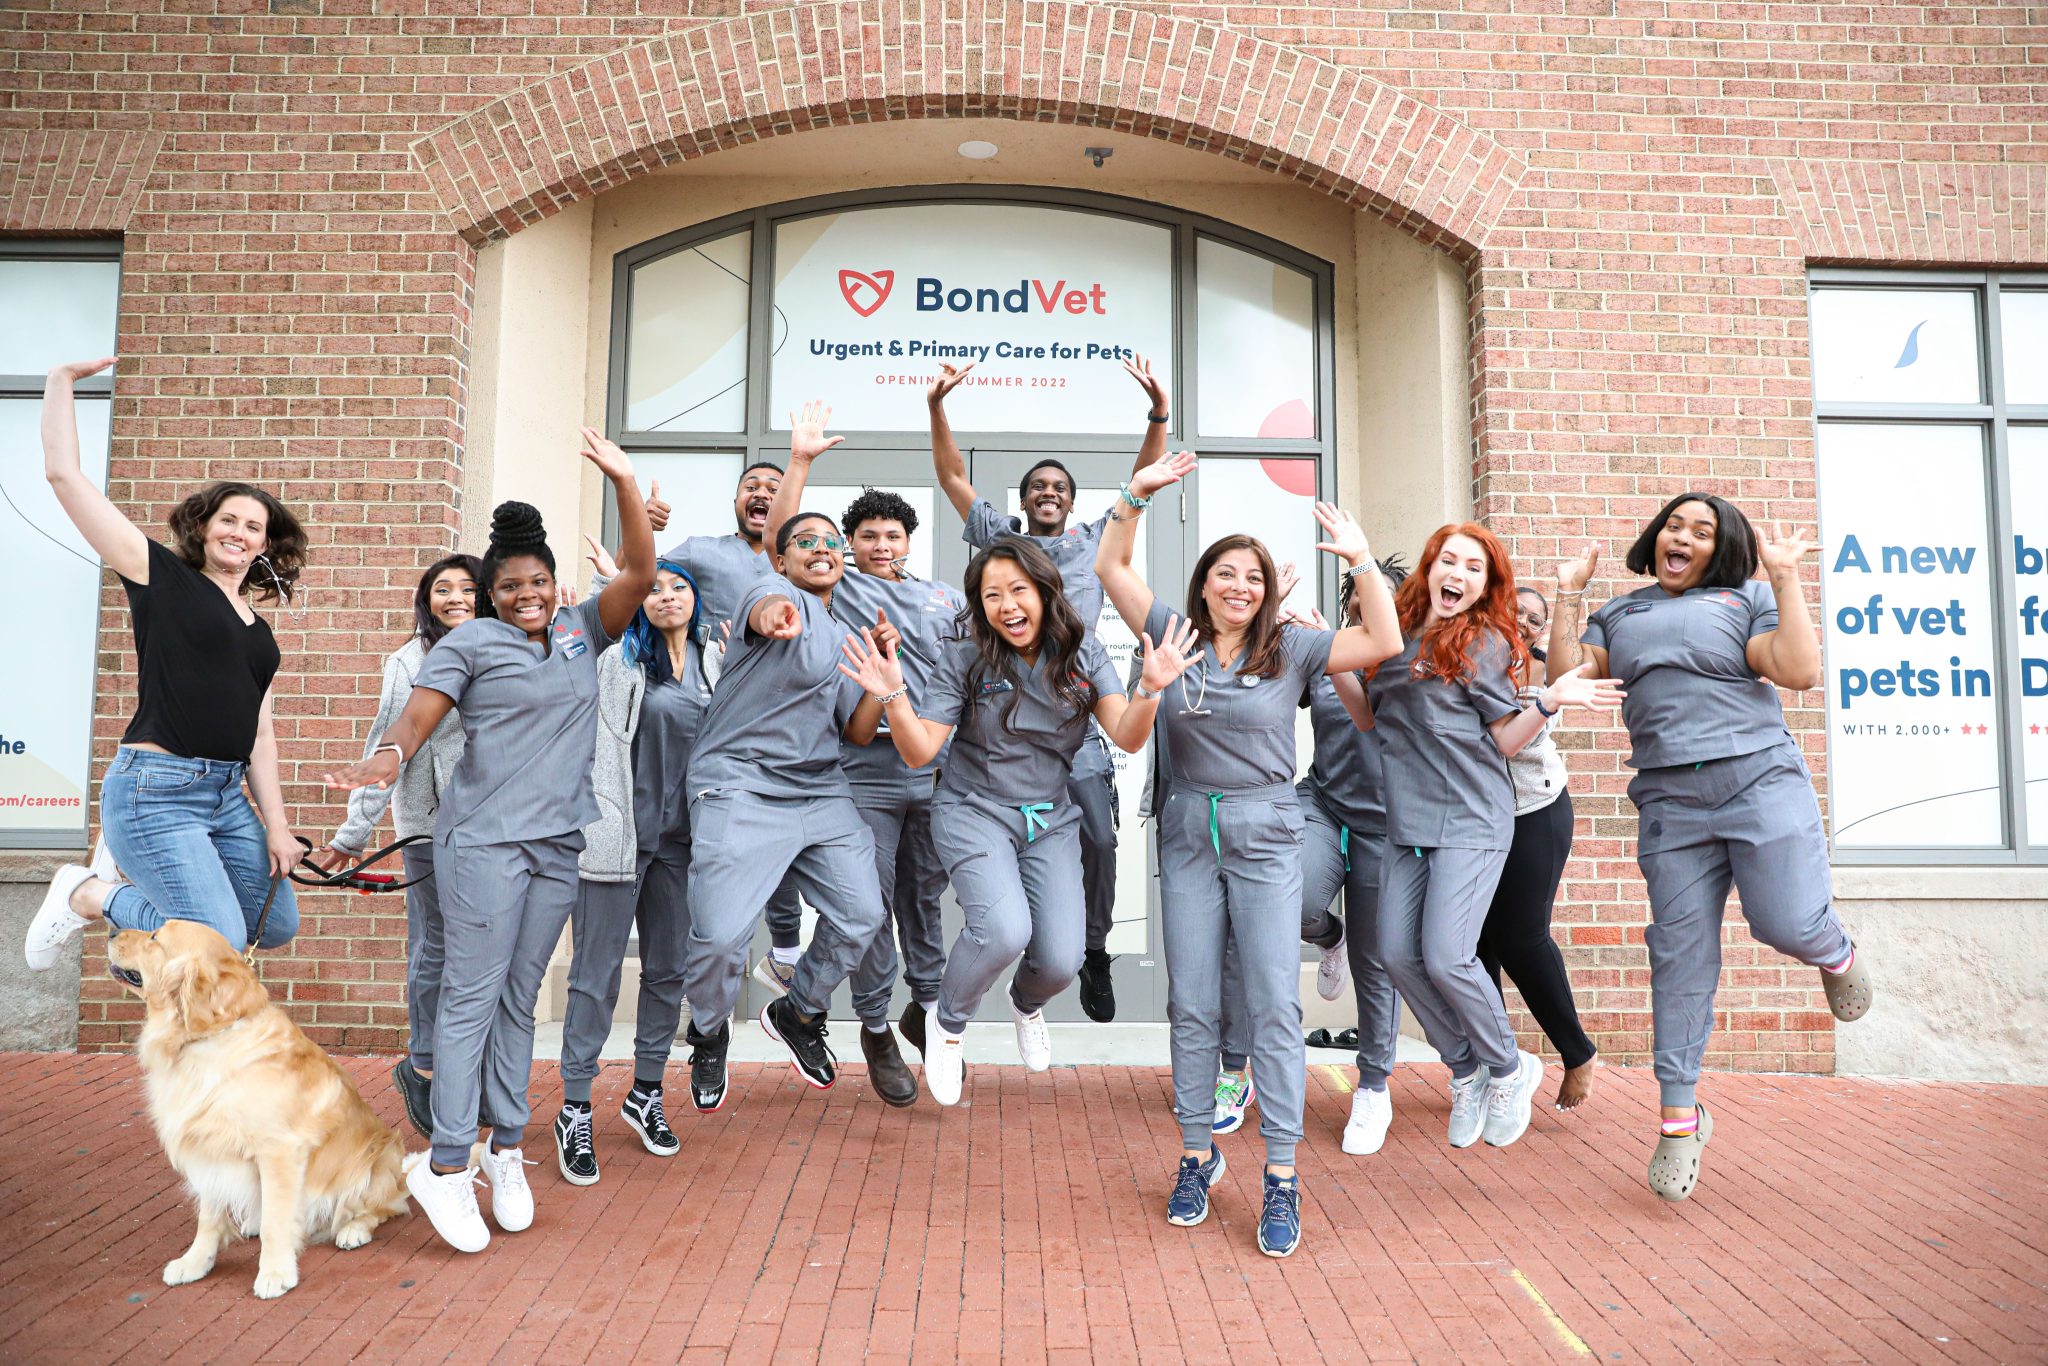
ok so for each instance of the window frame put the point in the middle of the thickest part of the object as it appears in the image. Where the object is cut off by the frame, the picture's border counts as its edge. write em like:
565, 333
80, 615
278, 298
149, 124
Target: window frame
100, 389
1994, 417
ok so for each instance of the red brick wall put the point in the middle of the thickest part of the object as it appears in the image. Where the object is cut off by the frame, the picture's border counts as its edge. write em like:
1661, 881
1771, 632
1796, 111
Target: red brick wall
1635, 188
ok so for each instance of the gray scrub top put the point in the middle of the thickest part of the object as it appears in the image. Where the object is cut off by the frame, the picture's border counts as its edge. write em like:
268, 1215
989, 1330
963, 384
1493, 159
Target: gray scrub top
774, 721
671, 714
927, 613
1447, 784
1021, 755
1691, 693
1347, 773
529, 721
1072, 553
1246, 740
724, 568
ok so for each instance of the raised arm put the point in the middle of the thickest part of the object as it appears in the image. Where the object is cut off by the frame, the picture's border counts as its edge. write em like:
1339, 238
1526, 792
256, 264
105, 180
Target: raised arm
1127, 721
807, 441
1565, 651
947, 462
424, 710
1378, 633
1790, 655
119, 542
1157, 418
1512, 733
621, 598
1123, 584
873, 665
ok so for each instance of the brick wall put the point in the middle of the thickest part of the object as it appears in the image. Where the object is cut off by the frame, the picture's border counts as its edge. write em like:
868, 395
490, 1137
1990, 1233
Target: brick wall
1635, 188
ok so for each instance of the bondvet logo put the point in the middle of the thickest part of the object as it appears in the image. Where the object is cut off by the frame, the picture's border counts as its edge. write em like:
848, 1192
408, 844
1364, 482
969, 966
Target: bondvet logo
865, 293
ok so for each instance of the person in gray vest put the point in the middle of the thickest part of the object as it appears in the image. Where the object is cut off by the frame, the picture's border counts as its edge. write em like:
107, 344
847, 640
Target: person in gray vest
723, 567
1230, 827
445, 598
1449, 719
1015, 696
523, 678
1721, 791
768, 799
652, 691
894, 798
1047, 494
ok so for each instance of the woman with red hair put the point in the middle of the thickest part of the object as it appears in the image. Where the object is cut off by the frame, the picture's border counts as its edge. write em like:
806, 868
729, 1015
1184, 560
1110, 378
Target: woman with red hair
1448, 717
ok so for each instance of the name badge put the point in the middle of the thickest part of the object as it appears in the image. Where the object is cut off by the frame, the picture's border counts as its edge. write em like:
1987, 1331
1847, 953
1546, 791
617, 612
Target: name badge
999, 685
571, 643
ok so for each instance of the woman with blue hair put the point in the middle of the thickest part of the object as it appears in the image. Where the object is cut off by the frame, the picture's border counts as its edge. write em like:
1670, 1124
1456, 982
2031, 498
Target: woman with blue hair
652, 689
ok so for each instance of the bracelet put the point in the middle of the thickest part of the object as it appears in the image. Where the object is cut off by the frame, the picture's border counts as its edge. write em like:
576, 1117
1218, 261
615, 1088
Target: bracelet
1124, 492
1371, 565
1563, 593
886, 698
393, 748
1545, 712
1144, 694
1157, 417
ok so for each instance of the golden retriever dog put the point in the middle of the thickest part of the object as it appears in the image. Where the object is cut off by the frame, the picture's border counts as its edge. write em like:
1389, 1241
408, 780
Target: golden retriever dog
267, 1132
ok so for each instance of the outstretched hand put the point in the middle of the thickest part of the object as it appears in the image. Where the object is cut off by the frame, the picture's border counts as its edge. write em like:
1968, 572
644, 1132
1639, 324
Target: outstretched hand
1574, 689
1177, 648
1347, 537
1783, 552
75, 370
869, 663
1140, 370
948, 380
781, 620
606, 455
1574, 575
379, 770
600, 559
1167, 469
807, 439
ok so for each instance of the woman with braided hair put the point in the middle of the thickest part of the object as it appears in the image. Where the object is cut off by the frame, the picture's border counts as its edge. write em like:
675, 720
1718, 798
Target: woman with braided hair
508, 832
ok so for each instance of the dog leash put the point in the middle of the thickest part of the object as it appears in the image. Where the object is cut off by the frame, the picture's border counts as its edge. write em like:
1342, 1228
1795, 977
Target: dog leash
353, 878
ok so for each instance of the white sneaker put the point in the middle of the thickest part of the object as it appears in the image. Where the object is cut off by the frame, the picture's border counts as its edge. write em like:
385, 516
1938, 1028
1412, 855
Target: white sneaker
511, 1197
1332, 972
103, 866
1509, 1099
448, 1199
1034, 1044
1371, 1113
1468, 1109
55, 924
945, 1066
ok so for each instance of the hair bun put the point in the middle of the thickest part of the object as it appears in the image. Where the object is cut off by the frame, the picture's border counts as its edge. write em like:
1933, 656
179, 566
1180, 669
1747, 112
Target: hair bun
516, 530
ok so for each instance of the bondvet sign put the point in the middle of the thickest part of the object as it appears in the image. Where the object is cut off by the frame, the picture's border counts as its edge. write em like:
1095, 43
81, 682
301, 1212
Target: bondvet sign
1044, 302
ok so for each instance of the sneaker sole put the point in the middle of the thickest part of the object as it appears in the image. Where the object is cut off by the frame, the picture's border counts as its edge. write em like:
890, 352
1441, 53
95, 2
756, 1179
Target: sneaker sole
1287, 1251
562, 1164
440, 1232
709, 1109
767, 978
1229, 1126
794, 1065
648, 1143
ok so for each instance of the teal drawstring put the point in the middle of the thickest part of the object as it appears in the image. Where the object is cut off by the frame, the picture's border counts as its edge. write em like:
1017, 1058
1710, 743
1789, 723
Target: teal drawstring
1344, 846
1215, 830
1418, 850
1034, 819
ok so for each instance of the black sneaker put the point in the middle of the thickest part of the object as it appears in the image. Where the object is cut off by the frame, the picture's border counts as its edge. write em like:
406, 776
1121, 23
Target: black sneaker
1098, 991
707, 1066
805, 1040
911, 1026
417, 1093
575, 1153
643, 1111
887, 1072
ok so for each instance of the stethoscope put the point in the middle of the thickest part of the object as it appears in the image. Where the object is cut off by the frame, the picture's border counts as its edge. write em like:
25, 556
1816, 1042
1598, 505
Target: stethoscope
1200, 705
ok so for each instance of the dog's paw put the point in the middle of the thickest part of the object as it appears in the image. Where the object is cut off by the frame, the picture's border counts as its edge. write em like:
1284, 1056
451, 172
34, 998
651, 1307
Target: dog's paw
186, 1270
270, 1283
353, 1236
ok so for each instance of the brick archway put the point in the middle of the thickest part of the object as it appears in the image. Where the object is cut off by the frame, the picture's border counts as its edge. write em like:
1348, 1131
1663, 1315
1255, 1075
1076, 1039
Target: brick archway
725, 84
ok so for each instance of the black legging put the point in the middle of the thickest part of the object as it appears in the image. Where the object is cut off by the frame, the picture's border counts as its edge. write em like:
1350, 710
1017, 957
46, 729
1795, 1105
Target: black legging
1516, 936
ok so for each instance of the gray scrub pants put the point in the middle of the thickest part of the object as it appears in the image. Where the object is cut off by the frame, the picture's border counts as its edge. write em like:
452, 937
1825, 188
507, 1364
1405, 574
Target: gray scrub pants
1019, 886
1230, 868
1094, 795
1751, 820
899, 814
1433, 903
658, 901
785, 916
503, 907
426, 953
744, 844
1334, 860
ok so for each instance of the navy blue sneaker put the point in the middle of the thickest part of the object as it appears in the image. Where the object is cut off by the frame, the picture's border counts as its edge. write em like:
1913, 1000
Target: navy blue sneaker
1280, 1220
1189, 1203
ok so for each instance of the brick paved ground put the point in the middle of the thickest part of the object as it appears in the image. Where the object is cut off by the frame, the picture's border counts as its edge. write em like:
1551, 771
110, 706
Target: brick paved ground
1028, 1226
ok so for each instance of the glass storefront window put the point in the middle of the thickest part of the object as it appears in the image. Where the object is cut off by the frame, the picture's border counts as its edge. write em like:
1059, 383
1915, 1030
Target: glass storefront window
1256, 343
55, 311
2027, 449
2023, 319
1895, 346
686, 347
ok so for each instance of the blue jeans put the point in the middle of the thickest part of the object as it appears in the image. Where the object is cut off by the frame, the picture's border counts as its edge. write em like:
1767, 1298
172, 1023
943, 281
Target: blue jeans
191, 848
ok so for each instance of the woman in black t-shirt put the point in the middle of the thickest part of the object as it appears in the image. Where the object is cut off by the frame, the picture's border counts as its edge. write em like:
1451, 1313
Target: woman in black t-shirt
172, 811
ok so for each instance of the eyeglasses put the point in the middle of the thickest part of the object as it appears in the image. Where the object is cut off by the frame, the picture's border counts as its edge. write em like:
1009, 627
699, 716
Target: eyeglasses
831, 543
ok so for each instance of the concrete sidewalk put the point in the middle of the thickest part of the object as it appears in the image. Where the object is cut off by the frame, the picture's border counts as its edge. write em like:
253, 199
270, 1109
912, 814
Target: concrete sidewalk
1838, 1221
